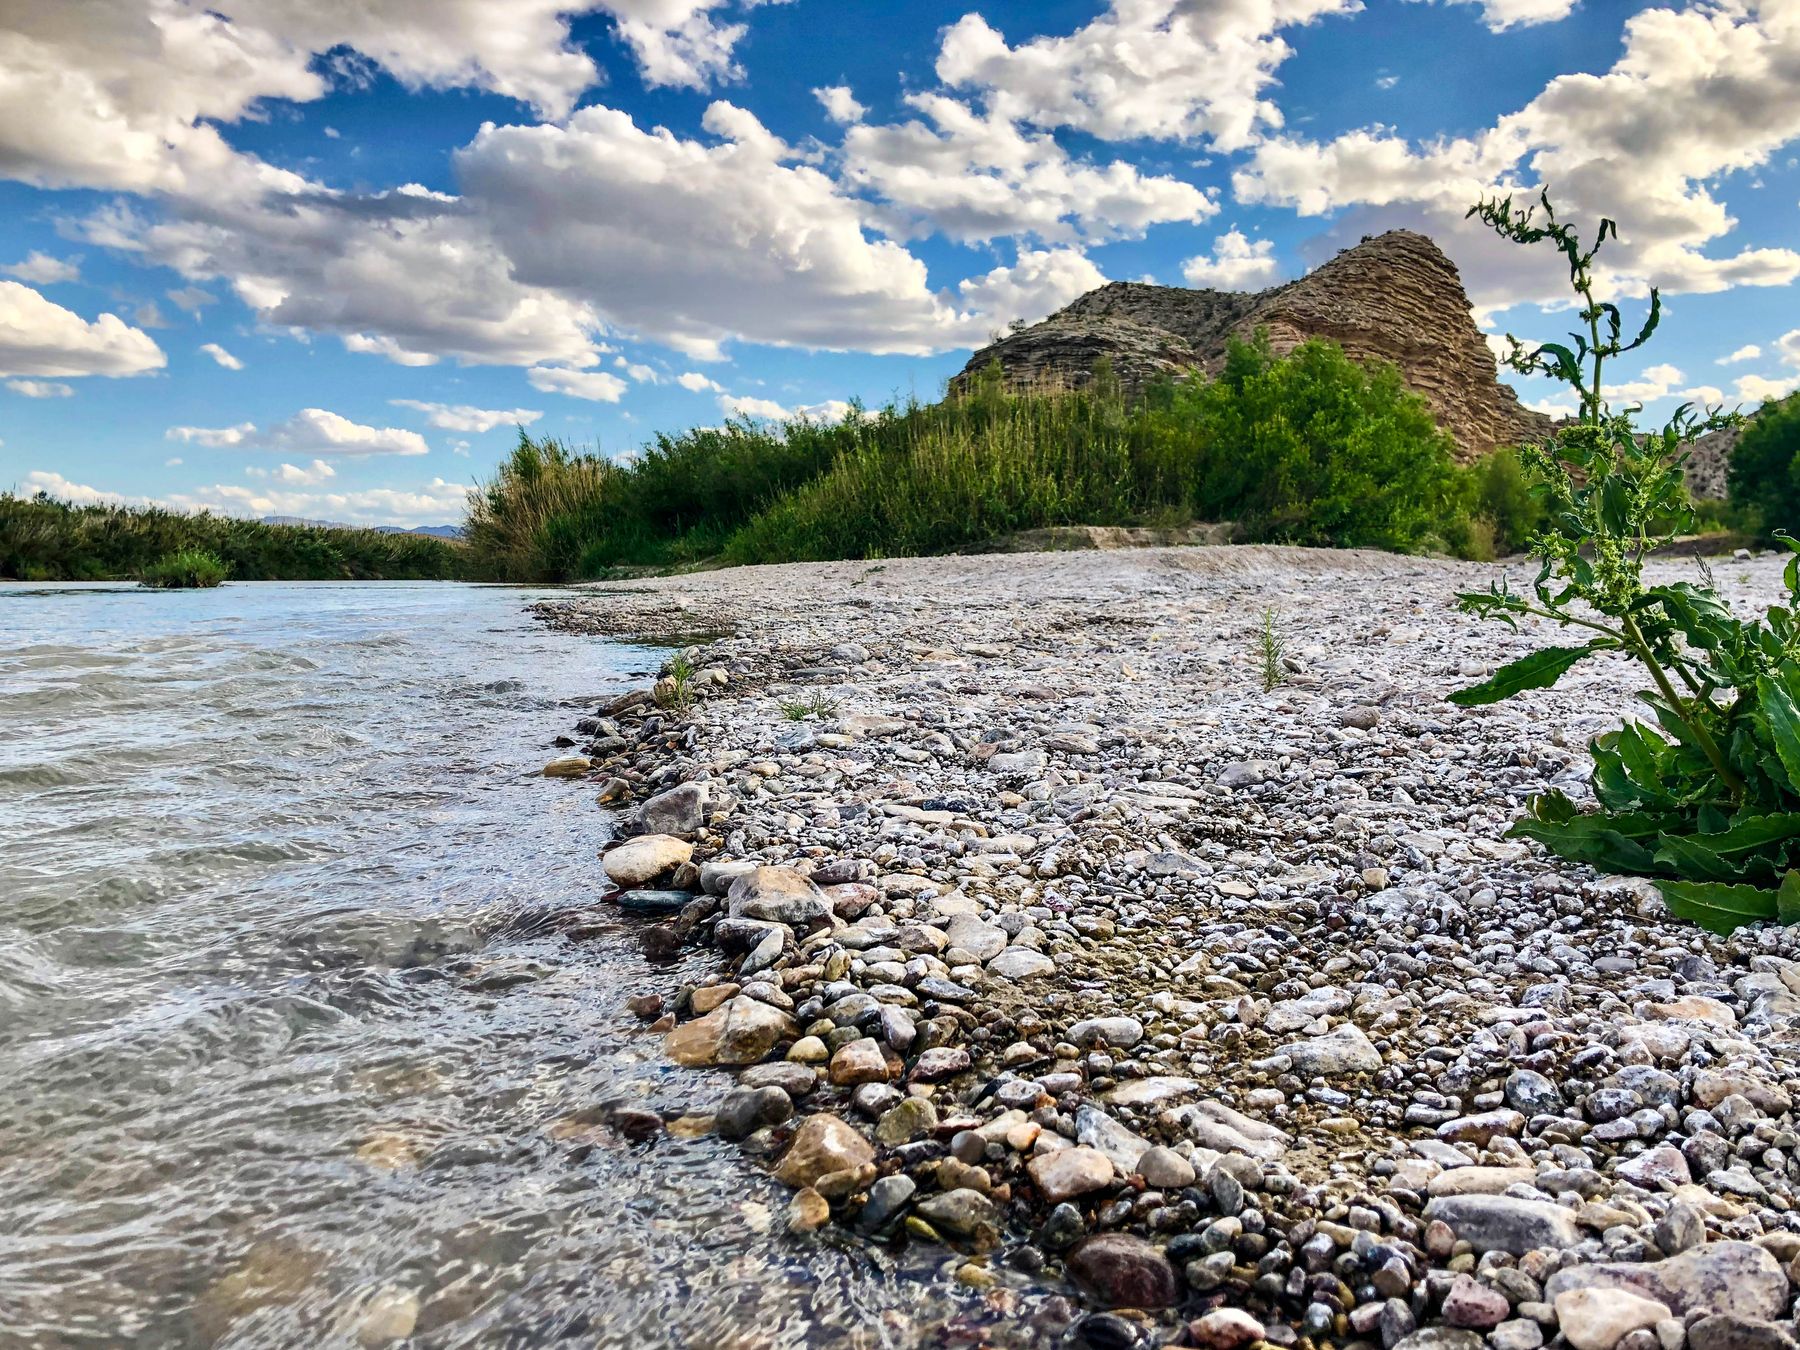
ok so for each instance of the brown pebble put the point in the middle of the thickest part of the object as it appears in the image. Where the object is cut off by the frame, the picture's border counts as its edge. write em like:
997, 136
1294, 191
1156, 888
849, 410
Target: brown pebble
645, 1006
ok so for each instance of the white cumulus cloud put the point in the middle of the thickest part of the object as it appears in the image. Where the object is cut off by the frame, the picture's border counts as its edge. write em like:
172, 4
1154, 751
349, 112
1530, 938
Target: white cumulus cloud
839, 103
1696, 93
597, 385
977, 176
1237, 264
1158, 69
463, 417
1748, 352
1500, 15
311, 431
41, 269
40, 388
220, 355
40, 337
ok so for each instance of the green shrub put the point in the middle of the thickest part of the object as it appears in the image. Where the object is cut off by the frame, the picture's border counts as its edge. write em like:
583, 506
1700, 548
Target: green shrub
191, 569
1764, 478
48, 540
1311, 448
1708, 801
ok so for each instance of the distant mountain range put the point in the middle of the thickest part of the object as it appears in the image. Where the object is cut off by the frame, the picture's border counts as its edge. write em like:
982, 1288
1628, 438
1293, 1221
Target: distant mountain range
439, 531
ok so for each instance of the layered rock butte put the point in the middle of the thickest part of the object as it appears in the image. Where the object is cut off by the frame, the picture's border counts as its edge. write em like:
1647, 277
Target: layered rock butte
1395, 297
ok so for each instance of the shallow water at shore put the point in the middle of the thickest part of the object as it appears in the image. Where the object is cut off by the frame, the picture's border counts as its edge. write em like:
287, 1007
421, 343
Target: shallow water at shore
300, 963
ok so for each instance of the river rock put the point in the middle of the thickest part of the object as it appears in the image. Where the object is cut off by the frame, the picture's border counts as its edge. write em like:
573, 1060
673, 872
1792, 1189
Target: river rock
1123, 1271
860, 1061
1216, 1126
961, 1212
640, 900
1722, 1331
1739, 1278
887, 1197
1152, 1091
1345, 1049
1474, 1307
1095, 1129
1501, 1223
981, 940
746, 1110
808, 1210
639, 861
680, 811
739, 1031
717, 874
567, 766
1479, 1180
822, 1146
1595, 1319
939, 1063
1021, 963
794, 1079
910, 1119
1069, 1172
1166, 1170
1225, 1329
778, 895
1119, 1032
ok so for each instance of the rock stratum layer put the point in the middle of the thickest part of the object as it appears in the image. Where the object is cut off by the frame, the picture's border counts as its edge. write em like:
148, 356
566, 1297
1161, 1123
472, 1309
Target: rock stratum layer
1395, 297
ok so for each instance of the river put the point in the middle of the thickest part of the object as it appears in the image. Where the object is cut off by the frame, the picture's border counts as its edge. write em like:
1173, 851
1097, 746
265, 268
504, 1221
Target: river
311, 1019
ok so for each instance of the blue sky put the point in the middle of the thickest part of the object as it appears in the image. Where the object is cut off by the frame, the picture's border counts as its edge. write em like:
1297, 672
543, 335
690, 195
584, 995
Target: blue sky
276, 257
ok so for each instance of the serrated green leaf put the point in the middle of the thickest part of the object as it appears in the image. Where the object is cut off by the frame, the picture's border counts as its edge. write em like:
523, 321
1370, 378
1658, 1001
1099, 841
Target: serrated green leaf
1787, 898
1784, 724
1716, 906
1540, 670
1689, 858
1755, 832
1594, 844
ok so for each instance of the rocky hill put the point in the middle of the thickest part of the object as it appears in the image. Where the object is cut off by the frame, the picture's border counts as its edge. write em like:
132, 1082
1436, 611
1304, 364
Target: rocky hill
1395, 296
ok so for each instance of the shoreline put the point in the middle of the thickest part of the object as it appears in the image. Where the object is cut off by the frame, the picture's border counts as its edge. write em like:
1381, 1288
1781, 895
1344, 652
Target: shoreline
1077, 950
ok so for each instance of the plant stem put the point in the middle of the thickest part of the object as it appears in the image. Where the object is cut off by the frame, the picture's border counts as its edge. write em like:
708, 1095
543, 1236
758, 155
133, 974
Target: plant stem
1697, 729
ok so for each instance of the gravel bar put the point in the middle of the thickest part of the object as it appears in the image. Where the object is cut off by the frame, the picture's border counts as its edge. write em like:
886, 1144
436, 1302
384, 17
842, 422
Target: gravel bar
1042, 932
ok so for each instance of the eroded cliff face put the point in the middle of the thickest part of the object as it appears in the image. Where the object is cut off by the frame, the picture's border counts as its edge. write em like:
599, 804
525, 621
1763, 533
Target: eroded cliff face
1395, 297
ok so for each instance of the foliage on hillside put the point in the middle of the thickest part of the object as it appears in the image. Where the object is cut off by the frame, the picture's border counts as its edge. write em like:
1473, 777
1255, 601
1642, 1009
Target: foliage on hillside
42, 539
1310, 448
1764, 478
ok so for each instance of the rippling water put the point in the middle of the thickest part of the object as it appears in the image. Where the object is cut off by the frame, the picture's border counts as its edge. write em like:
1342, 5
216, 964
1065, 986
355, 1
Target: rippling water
299, 968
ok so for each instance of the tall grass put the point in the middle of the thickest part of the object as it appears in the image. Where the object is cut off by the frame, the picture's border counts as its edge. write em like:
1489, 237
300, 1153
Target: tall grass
43, 539
1309, 448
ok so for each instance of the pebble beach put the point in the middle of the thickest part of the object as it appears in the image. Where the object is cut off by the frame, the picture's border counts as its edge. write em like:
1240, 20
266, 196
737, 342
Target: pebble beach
1180, 1010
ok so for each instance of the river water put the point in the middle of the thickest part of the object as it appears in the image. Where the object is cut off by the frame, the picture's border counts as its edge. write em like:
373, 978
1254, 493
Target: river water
310, 1020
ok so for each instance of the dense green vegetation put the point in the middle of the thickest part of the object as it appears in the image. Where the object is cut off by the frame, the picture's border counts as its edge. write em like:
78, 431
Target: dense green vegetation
1765, 468
42, 539
1706, 800
1310, 448
190, 569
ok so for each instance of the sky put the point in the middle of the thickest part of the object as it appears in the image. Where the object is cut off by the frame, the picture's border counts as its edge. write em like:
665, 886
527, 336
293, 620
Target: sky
324, 258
